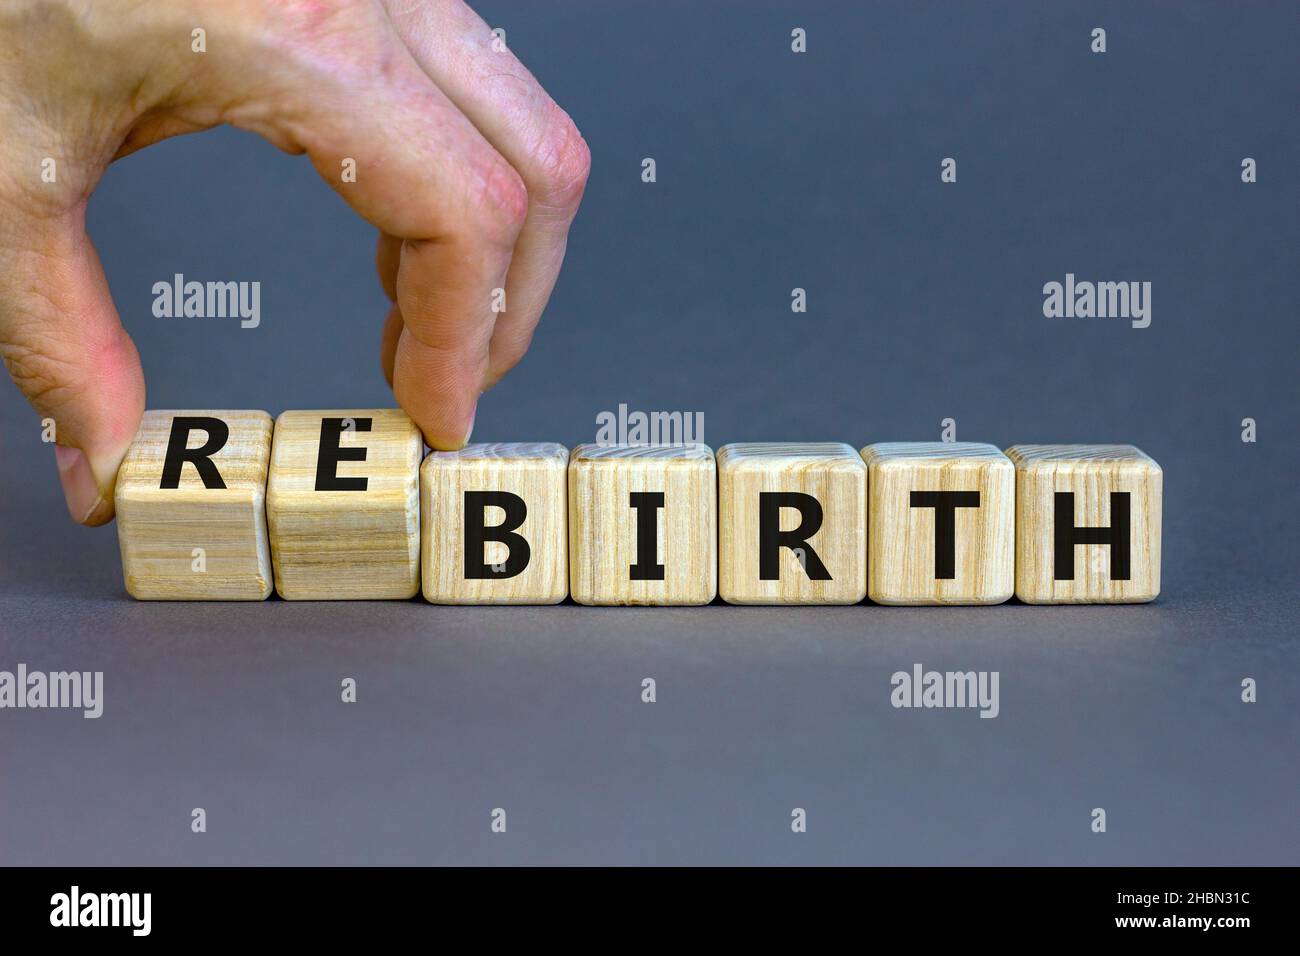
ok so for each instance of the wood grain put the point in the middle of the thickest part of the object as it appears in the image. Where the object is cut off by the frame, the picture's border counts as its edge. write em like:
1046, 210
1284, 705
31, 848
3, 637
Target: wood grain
901, 565
1091, 473
535, 471
159, 529
346, 544
831, 472
603, 538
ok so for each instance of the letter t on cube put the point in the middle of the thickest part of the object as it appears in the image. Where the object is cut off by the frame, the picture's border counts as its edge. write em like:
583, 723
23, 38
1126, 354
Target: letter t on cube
941, 528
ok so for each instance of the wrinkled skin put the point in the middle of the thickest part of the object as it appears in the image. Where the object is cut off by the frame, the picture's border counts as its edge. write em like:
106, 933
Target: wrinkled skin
471, 173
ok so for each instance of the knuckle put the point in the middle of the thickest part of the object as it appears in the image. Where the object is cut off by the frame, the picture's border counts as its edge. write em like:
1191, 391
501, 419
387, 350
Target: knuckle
317, 21
40, 377
502, 202
563, 163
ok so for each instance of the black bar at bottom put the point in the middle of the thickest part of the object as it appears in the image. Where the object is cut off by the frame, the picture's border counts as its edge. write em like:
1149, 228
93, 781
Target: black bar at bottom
375, 905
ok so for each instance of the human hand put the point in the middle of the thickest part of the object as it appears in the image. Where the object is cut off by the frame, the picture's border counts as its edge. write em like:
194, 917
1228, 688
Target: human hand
468, 168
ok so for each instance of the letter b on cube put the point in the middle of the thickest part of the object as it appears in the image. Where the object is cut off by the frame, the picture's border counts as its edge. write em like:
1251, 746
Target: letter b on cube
494, 524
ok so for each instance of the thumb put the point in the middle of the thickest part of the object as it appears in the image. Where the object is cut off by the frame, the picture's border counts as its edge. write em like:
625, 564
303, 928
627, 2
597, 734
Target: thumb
64, 346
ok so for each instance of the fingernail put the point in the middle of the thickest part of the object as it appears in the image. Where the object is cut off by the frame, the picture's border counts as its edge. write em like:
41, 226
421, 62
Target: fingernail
470, 431
80, 489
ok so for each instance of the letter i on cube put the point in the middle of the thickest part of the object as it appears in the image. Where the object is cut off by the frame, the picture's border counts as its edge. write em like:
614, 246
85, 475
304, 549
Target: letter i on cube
643, 524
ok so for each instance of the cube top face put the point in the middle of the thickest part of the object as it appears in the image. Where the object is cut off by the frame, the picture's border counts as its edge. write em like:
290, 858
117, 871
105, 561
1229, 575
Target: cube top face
788, 456
1088, 524
519, 453
941, 528
792, 523
494, 523
905, 453
688, 452
343, 504
643, 524
1083, 457
191, 513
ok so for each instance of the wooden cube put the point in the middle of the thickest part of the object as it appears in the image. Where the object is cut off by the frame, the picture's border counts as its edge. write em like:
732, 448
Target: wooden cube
643, 524
191, 507
1087, 524
792, 523
495, 524
343, 504
941, 523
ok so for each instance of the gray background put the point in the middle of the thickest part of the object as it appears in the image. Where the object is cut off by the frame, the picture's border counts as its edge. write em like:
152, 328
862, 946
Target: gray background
774, 171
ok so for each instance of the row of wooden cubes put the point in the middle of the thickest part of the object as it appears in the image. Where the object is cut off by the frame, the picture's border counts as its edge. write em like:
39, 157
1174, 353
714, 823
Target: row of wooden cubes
344, 504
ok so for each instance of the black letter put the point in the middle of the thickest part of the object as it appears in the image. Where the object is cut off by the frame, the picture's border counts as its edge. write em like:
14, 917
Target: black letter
771, 539
476, 569
945, 505
330, 454
647, 505
201, 458
1067, 536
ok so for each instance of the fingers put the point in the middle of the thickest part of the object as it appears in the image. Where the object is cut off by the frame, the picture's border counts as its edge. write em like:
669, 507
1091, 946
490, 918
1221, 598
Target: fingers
503, 100
425, 176
65, 348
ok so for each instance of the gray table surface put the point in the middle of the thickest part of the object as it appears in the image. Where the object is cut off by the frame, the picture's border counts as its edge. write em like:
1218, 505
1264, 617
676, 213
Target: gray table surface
775, 170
